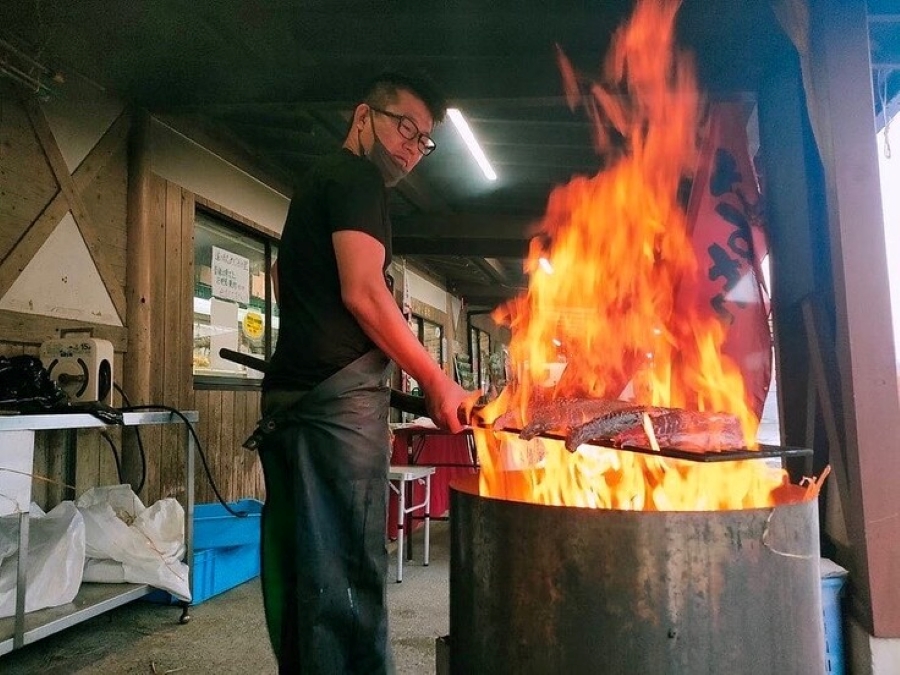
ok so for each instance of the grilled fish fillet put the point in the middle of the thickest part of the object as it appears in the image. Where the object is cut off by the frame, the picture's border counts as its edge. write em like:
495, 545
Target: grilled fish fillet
687, 430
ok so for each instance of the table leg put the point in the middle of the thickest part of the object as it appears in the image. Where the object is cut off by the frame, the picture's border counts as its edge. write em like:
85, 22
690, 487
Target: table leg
409, 495
401, 516
427, 517
410, 459
16, 470
21, 581
188, 516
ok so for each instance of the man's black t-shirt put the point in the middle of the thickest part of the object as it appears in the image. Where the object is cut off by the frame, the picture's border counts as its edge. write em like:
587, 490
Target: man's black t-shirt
317, 336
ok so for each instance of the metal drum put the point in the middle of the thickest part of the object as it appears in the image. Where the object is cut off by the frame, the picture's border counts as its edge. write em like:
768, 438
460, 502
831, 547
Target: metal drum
545, 590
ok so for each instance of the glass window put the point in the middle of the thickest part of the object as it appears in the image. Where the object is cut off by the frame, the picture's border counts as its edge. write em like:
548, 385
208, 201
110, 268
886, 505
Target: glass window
480, 349
234, 303
474, 352
484, 371
431, 335
433, 339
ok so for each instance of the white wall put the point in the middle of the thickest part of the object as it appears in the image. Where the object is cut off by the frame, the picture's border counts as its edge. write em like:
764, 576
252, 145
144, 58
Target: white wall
180, 160
425, 291
79, 117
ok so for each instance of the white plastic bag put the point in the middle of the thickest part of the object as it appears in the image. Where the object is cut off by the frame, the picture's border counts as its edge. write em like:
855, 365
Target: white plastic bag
55, 558
127, 542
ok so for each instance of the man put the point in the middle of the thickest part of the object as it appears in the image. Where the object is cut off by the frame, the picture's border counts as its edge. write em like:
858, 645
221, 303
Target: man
325, 450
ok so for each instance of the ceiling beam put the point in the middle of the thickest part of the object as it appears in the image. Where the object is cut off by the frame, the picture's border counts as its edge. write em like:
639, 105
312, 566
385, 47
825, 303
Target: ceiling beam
493, 268
466, 226
486, 295
233, 148
500, 248
288, 107
465, 234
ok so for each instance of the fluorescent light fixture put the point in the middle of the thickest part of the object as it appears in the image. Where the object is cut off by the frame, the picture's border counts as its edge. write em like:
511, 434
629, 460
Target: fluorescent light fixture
462, 127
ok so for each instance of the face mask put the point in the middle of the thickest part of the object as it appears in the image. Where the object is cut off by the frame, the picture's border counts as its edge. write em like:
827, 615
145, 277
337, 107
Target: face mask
391, 172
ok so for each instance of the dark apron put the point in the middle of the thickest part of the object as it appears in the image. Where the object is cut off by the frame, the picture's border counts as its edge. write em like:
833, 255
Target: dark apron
325, 457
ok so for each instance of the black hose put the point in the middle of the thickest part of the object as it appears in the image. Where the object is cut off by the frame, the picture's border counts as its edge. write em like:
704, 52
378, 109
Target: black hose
115, 452
140, 444
212, 482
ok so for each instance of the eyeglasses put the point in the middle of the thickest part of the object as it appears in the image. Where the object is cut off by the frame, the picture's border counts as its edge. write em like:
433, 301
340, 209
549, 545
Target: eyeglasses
410, 131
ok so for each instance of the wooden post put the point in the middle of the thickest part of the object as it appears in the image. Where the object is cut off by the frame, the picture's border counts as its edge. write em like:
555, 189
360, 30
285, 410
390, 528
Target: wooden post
840, 98
138, 285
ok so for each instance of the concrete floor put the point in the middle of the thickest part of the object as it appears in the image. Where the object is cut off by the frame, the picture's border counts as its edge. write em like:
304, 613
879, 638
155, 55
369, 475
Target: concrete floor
227, 633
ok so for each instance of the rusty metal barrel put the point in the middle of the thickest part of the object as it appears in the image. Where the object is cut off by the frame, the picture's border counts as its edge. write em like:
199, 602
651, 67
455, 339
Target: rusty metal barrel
545, 589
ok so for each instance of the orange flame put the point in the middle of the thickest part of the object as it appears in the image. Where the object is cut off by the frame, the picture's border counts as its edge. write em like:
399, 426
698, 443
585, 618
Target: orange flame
608, 312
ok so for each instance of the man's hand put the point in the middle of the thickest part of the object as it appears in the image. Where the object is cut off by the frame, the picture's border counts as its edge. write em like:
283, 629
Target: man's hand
443, 399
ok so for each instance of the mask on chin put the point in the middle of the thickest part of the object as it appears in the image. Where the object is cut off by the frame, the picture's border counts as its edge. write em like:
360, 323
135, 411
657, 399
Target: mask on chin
391, 172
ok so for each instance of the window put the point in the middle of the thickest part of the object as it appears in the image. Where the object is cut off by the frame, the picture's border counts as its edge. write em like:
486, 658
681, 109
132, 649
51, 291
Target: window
431, 335
480, 349
234, 305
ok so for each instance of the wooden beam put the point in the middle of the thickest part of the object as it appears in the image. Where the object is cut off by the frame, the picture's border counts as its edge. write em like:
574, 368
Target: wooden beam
823, 375
31, 241
790, 225
112, 141
840, 97
137, 364
33, 329
465, 226
298, 108
456, 246
493, 268
482, 294
462, 234
85, 225
34, 237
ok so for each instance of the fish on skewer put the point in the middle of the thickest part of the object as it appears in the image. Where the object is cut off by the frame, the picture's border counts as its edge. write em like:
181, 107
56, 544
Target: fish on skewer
566, 414
608, 426
687, 430
621, 424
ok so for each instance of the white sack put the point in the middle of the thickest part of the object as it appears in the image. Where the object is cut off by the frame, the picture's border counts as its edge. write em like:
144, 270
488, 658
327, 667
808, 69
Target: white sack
147, 543
104, 571
55, 558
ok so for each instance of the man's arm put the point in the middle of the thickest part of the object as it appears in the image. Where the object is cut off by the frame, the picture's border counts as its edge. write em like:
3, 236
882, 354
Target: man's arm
366, 296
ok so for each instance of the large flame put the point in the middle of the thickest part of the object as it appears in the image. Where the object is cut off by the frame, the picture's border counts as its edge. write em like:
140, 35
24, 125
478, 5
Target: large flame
609, 302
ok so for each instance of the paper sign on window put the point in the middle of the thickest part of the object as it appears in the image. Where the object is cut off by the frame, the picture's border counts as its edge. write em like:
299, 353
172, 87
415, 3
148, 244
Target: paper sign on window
230, 276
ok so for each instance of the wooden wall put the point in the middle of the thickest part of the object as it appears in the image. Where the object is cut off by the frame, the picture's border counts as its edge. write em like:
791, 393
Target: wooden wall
36, 191
226, 417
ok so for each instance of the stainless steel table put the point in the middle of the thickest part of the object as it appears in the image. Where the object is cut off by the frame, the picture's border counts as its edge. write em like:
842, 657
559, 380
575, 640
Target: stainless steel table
16, 465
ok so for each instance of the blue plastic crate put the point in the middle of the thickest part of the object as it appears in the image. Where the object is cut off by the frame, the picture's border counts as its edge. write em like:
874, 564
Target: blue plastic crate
214, 527
226, 549
217, 570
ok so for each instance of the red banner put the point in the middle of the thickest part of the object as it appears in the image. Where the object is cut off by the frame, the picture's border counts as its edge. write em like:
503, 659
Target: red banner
725, 217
